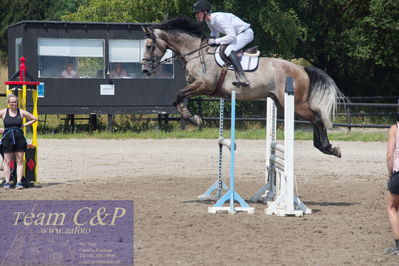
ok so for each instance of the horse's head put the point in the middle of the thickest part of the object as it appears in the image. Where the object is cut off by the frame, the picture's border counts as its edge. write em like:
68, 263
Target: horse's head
154, 50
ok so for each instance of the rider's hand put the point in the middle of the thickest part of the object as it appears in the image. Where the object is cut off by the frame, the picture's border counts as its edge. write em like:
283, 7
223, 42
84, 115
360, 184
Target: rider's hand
211, 42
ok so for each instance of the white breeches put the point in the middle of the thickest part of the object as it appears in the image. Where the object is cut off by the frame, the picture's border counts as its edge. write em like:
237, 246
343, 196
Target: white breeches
242, 39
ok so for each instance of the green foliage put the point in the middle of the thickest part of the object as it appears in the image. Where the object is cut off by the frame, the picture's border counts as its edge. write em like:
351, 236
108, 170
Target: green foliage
89, 66
355, 41
380, 28
129, 10
277, 27
13, 11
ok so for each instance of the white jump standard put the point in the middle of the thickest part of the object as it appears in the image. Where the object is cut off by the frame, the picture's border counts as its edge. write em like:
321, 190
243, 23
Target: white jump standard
274, 163
231, 194
280, 179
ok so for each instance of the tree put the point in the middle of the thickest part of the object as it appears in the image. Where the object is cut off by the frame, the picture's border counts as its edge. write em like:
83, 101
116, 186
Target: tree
372, 44
128, 10
355, 41
13, 11
276, 25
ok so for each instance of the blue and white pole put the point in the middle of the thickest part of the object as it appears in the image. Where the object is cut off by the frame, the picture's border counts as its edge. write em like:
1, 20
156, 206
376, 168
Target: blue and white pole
231, 195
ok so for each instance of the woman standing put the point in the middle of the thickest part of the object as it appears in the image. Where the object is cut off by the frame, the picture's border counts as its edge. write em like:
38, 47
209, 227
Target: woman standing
393, 184
13, 141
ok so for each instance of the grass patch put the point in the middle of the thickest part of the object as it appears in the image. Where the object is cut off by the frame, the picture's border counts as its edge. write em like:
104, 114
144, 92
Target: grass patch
359, 136
212, 133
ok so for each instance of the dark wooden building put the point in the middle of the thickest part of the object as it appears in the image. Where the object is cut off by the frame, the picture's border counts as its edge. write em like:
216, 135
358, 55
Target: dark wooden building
92, 68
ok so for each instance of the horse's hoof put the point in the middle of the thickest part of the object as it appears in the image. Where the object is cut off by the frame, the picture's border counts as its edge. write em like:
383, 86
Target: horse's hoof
336, 151
196, 120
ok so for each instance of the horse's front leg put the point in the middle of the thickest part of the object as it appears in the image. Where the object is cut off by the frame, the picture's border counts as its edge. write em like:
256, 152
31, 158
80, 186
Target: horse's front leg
193, 89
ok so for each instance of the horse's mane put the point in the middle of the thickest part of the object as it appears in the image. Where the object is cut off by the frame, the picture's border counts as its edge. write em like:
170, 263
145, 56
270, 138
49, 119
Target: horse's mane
182, 23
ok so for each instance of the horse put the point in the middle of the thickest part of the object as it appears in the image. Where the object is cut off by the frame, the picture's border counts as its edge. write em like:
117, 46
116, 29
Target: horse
316, 93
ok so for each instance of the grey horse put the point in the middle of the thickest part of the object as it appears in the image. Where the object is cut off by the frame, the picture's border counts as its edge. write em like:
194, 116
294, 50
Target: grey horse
316, 93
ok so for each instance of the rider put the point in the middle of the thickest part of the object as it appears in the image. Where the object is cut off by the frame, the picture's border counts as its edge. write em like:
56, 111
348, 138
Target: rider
237, 34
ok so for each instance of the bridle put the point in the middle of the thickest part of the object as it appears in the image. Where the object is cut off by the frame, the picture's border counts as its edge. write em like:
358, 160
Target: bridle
152, 62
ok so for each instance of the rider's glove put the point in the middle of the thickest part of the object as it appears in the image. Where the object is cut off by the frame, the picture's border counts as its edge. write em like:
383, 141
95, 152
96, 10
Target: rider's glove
211, 42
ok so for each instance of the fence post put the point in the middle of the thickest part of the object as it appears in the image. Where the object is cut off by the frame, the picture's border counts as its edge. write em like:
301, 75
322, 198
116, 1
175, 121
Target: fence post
93, 122
182, 124
348, 118
110, 124
200, 107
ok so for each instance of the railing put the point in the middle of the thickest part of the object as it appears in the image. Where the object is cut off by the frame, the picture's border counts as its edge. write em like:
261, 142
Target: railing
347, 106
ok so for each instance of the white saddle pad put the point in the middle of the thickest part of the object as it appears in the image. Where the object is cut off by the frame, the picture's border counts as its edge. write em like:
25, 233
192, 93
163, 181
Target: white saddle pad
249, 62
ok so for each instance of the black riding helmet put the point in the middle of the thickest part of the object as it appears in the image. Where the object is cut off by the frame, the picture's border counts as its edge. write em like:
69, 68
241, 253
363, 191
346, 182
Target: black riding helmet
201, 5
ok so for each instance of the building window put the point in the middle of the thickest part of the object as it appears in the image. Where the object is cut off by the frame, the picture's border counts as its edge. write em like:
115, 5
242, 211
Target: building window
71, 58
18, 52
125, 57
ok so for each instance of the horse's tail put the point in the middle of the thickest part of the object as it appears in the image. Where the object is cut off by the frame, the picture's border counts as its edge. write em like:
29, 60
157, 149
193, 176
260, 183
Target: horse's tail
324, 94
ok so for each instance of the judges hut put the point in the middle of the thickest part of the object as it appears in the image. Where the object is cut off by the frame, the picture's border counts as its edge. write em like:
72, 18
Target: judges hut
91, 68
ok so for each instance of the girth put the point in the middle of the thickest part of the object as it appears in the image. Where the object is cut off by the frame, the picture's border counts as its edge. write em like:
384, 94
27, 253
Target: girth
219, 84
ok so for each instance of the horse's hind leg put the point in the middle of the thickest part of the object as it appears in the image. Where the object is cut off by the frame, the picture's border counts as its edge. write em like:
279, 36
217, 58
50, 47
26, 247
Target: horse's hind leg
320, 138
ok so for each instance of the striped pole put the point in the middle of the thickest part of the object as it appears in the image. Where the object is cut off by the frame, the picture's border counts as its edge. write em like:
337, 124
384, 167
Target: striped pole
231, 195
232, 150
219, 185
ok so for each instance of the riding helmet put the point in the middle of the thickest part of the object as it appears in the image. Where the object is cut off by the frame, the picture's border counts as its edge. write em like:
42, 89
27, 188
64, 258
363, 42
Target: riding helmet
201, 5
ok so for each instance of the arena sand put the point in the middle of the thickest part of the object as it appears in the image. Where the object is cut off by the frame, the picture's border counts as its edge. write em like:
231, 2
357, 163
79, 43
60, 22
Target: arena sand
348, 226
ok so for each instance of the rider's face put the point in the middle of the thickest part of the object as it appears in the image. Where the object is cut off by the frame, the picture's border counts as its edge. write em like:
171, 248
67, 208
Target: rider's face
200, 15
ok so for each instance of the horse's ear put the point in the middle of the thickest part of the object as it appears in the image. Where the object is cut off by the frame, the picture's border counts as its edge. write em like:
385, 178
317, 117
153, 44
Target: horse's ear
145, 29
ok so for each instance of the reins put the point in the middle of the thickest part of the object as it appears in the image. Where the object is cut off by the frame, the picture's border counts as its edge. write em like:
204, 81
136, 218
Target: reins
182, 55
155, 65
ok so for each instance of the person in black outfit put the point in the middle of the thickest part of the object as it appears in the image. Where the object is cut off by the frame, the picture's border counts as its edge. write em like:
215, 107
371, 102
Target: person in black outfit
393, 185
13, 141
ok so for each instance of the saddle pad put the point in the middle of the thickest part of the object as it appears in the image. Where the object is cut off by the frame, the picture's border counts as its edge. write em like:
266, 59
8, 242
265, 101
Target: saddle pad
249, 62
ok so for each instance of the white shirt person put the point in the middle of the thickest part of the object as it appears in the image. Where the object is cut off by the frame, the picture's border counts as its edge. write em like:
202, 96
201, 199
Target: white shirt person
237, 34
69, 72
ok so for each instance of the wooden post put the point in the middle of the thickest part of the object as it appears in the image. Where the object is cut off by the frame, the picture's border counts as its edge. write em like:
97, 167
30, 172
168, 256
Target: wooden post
110, 124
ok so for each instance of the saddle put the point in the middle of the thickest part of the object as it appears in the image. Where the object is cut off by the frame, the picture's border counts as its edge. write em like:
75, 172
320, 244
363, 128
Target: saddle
249, 58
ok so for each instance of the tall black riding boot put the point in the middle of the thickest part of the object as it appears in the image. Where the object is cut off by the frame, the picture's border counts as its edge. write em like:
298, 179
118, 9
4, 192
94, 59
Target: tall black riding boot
241, 78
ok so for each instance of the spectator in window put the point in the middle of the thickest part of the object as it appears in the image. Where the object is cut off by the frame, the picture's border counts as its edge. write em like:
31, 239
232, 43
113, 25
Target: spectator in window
69, 73
118, 72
